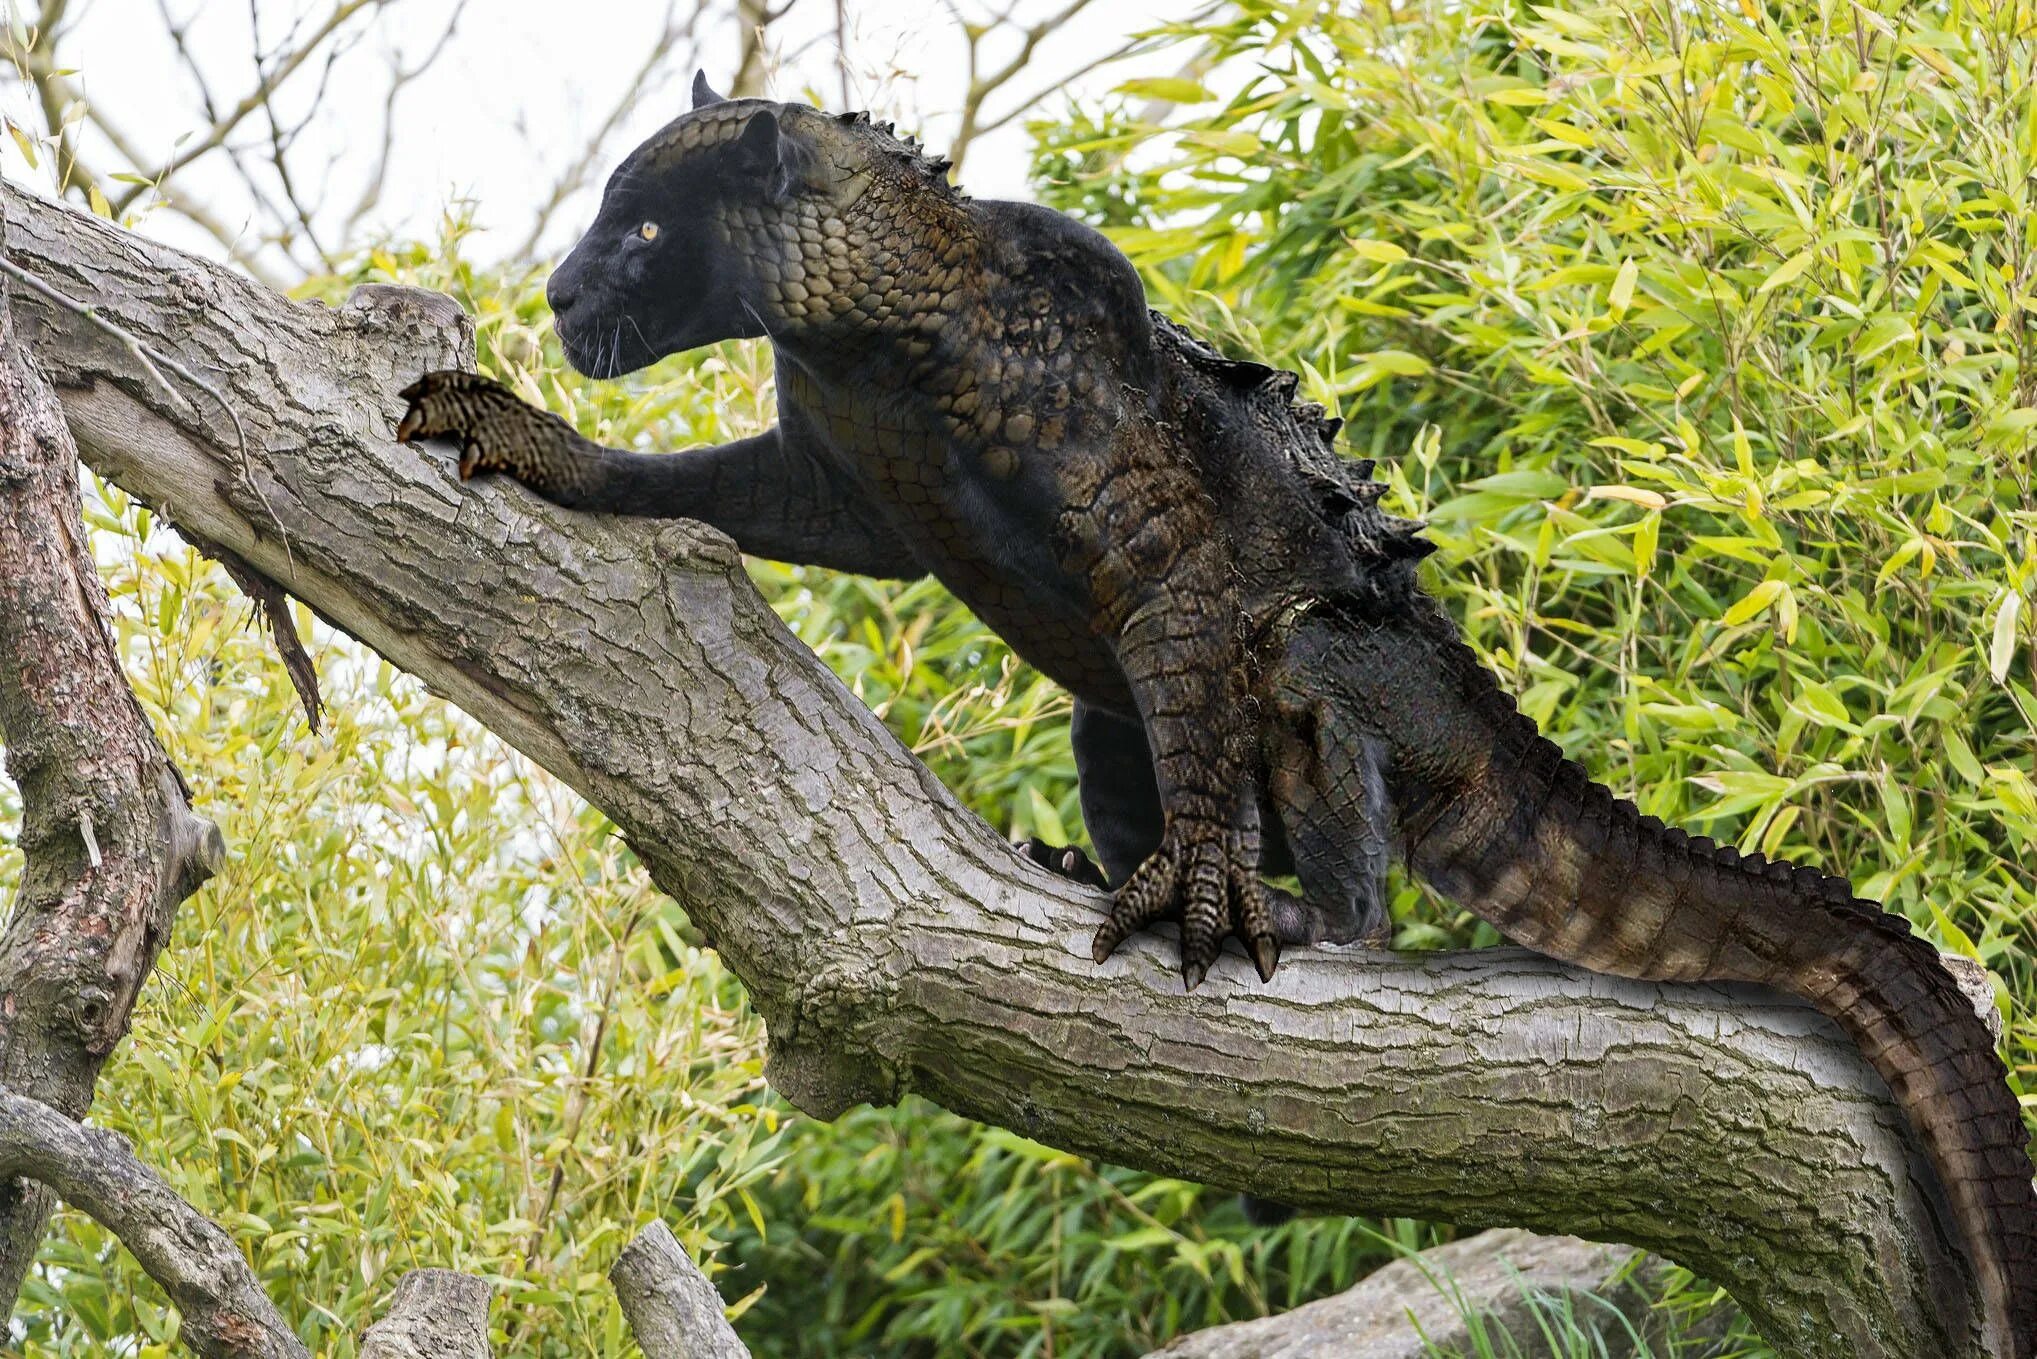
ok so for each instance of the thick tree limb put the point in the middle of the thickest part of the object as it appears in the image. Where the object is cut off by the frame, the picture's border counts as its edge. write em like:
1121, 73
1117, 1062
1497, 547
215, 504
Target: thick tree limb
109, 842
673, 1311
894, 944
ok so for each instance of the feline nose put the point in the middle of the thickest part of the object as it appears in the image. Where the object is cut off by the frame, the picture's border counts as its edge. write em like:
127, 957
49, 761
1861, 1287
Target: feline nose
561, 292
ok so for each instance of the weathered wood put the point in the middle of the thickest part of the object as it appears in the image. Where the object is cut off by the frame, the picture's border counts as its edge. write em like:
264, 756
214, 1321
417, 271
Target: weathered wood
109, 843
673, 1311
435, 1314
1505, 1283
894, 944
226, 1315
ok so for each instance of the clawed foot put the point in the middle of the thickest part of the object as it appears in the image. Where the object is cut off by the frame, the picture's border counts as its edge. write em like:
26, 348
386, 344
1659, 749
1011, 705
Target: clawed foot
1209, 880
1063, 861
495, 430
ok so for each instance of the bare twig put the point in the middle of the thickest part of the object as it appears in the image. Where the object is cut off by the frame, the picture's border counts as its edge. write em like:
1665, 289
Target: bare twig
401, 77
223, 127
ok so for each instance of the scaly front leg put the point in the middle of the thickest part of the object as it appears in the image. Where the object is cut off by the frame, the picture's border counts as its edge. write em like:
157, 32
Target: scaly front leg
1162, 584
777, 493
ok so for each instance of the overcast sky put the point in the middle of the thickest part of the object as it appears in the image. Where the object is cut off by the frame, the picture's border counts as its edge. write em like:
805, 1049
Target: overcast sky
520, 88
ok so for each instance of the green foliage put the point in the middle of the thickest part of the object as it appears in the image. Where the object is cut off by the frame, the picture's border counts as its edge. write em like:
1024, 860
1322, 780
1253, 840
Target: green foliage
430, 1014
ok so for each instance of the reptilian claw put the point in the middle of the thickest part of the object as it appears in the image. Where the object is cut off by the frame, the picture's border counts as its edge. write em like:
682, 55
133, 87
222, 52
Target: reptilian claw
1206, 877
493, 429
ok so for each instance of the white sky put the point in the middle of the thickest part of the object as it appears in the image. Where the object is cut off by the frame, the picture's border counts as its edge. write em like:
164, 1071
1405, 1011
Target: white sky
520, 89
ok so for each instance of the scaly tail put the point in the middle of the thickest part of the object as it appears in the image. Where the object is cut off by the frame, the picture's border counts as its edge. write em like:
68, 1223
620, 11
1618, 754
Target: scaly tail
1497, 820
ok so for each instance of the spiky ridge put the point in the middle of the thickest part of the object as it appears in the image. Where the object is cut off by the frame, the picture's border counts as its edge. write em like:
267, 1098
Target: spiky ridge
1301, 436
909, 149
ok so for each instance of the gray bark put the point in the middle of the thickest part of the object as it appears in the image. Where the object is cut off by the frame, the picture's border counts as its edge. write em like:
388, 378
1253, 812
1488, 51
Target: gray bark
673, 1311
225, 1313
1502, 1285
109, 843
435, 1314
894, 944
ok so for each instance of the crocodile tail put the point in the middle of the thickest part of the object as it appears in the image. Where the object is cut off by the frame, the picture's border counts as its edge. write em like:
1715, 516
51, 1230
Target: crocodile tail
1501, 823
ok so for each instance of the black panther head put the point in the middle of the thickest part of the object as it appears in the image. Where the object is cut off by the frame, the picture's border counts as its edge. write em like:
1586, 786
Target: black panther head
749, 218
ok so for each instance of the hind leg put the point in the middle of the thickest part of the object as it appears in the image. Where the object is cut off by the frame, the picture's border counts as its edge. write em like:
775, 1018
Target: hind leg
1120, 797
1327, 785
1120, 801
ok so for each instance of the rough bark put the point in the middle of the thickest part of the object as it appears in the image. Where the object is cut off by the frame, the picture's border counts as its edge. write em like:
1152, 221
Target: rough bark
225, 1313
893, 944
1501, 1283
435, 1314
109, 843
673, 1311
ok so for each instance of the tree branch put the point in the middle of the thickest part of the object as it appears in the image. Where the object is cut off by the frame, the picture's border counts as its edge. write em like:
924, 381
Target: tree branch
673, 1311
894, 944
225, 1312
436, 1314
1513, 1283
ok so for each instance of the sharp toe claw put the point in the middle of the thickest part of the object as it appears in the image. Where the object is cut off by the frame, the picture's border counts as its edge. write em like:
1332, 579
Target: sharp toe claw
1265, 956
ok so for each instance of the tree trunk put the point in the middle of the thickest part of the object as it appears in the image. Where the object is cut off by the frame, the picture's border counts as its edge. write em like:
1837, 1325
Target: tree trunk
894, 944
109, 842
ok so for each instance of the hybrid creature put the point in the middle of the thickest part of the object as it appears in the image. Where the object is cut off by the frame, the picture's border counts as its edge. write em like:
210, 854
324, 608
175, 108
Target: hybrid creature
977, 390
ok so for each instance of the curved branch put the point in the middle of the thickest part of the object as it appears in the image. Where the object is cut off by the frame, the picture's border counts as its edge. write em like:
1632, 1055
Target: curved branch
226, 1315
894, 944
1507, 1289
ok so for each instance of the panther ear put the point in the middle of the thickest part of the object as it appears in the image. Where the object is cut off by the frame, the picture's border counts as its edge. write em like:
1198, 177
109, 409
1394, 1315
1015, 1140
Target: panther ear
703, 93
762, 151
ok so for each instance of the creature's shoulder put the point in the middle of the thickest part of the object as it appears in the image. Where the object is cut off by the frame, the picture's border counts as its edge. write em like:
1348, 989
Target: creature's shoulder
1036, 249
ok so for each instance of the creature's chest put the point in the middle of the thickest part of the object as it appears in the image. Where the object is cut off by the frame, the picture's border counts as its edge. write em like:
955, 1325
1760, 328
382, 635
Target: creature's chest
976, 478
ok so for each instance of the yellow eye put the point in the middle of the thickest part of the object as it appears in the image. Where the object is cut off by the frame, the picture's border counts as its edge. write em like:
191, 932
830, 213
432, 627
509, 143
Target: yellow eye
649, 231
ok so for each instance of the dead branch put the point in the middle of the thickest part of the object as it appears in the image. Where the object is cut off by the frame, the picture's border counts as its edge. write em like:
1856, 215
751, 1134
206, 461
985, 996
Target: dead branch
673, 1311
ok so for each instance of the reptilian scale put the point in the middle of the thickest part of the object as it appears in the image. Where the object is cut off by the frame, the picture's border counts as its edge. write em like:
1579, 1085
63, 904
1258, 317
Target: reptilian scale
977, 390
